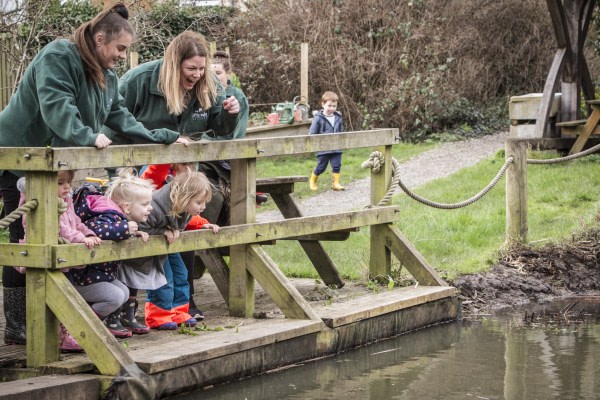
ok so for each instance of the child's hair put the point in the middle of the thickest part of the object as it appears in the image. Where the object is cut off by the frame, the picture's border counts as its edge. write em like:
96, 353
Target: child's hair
185, 187
126, 187
329, 96
70, 172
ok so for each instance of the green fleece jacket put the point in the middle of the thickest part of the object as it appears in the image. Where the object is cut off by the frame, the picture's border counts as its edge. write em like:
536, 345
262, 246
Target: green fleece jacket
55, 105
139, 88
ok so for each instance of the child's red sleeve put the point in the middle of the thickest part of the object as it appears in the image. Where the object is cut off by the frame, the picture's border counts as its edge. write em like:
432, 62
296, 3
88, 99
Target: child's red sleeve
196, 222
156, 173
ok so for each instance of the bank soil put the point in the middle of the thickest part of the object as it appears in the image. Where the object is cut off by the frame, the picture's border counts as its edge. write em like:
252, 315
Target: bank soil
535, 274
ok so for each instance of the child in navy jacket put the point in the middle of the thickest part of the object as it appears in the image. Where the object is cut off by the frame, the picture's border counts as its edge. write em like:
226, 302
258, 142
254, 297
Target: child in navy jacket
328, 120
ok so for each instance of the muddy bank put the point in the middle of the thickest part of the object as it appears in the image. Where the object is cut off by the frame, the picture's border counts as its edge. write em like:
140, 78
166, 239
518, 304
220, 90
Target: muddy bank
536, 274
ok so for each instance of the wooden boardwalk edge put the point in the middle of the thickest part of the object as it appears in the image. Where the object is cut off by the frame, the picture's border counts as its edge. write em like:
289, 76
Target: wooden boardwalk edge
190, 363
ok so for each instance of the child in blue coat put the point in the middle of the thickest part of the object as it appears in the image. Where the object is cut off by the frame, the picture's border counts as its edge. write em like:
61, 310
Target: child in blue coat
328, 120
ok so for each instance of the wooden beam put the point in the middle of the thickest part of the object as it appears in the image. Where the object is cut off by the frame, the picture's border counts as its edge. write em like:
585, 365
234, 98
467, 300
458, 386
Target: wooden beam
78, 254
243, 210
42, 229
410, 258
142, 154
26, 158
304, 71
76, 315
314, 250
380, 262
270, 131
25, 255
218, 269
516, 191
549, 90
284, 294
587, 130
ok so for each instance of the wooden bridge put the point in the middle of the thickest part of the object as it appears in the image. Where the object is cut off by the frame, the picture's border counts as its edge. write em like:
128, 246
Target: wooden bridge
163, 363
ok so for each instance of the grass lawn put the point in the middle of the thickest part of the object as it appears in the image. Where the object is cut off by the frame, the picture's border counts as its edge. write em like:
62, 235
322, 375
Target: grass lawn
563, 198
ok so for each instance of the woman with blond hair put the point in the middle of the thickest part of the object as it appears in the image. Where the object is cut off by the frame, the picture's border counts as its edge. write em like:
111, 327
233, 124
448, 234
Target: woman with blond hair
181, 92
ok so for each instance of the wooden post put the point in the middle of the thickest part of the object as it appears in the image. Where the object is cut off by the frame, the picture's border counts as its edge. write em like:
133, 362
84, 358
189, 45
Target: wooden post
134, 59
212, 48
516, 191
380, 261
42, 228
304, 71
243, 210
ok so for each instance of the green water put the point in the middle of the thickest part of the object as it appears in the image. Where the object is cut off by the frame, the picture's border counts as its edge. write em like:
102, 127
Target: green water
482, 357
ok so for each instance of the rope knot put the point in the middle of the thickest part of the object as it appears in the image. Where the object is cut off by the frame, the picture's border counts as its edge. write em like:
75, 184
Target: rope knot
375, 162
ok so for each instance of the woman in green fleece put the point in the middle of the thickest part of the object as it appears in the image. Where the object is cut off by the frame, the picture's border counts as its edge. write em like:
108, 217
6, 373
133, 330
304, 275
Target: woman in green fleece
181, 92
68, 92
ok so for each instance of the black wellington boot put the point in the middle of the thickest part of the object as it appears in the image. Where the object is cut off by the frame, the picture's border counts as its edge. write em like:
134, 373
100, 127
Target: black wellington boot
14, 313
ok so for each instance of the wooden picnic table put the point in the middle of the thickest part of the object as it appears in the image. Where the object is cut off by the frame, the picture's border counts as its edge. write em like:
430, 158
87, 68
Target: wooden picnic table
583, 128
280, 189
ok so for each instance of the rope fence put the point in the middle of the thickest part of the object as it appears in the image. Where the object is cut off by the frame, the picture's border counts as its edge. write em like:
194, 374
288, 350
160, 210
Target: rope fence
29, 206
376, 161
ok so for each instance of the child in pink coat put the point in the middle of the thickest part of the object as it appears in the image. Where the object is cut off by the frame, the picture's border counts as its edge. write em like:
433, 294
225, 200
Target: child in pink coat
70, 228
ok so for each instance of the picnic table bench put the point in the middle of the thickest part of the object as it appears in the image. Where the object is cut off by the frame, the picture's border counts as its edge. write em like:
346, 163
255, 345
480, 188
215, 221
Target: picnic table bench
583, 128
280, 189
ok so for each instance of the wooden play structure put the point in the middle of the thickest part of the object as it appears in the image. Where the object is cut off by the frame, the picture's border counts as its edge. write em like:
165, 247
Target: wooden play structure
568, 82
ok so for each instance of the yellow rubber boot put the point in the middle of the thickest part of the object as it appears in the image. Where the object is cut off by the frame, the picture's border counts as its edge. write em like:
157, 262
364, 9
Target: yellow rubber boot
313, 181
335, 182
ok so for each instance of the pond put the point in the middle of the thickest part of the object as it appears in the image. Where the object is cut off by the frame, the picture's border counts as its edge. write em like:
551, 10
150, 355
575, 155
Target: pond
530, 353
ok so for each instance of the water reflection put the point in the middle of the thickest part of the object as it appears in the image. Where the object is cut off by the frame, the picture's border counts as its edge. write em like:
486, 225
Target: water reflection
488, 357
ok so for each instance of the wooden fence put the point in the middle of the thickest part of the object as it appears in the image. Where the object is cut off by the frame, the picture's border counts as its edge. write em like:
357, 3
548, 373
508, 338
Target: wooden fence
50, 296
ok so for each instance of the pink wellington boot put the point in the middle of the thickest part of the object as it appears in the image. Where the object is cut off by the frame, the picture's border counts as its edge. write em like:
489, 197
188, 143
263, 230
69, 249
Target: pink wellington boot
67, 342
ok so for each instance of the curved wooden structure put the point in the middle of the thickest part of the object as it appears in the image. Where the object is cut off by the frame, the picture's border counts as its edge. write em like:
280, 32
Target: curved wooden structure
569, 70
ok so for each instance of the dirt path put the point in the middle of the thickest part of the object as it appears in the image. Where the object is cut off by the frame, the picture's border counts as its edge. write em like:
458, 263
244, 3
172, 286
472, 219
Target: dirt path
430, 165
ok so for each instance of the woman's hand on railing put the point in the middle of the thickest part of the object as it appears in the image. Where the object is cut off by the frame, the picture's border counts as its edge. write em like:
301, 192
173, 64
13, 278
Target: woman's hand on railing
102, 141
183, 140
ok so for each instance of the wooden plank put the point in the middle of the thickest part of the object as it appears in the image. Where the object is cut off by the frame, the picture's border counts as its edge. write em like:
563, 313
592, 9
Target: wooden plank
338, 236
281, 184
549, 90
411, 259
385, 302
78, 254
589, 127
183, 352
77, 387
42, 228
516, 191
142, 154
266, 131
304, 71
218, 269
243, 210
26, 158
25, 255
380, 258
76, 315
283, 293
576, 122
314, 250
